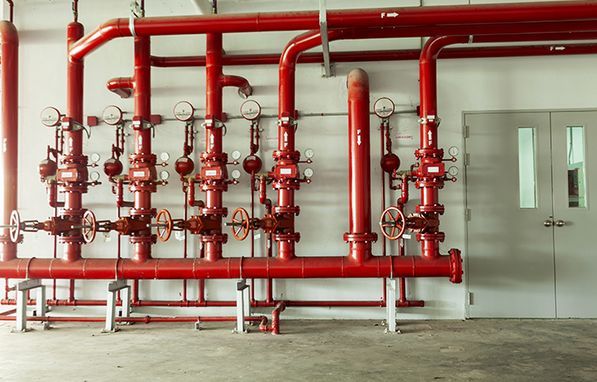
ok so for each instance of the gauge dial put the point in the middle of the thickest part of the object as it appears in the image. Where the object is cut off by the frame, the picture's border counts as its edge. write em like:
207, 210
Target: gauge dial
164, 156
250, 110
384, 107
184, 111
112, 115
164, 175
453, 151
94, 176
95, 157
453, 170
309, 153
236, 155
308, 172
50, 117
235, 174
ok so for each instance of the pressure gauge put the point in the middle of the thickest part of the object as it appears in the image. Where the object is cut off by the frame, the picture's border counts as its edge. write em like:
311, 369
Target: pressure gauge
50, 117
308, 172
235, 174
184, 111
453, 171
309, 153
164, 175
236, 155
453, 151
94, 176
112, 115
95, 157
164, 157
250, 110
384, 107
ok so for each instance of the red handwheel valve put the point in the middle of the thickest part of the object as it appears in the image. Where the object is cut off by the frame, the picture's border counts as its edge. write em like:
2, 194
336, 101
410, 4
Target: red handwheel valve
392, 223
240, 224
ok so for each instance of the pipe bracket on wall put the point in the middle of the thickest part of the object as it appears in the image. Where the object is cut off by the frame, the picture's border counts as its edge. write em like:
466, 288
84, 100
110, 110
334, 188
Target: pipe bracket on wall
325, 44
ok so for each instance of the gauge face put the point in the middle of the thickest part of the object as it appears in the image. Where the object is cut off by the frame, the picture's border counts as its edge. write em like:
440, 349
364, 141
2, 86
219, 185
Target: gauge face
94, 176
250, 110
308, 172
112, 115
50, 117
309, 153
184, 111
384, 107
164, 156
164, 175
235, 174
453, 151
453, 170
95, 157
236, 155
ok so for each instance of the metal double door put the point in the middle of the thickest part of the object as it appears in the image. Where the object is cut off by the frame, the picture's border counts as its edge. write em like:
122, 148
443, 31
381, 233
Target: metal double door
531, 228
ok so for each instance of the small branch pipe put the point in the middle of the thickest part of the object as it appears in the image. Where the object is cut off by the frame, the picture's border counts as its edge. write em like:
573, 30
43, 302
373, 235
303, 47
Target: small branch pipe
121, 86
429, 21
9, 39
359, 236
244, 88
142, 160
73, 157
235, 268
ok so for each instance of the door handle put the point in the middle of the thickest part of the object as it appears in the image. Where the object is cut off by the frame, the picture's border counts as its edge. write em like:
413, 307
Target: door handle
548, 223
560, 223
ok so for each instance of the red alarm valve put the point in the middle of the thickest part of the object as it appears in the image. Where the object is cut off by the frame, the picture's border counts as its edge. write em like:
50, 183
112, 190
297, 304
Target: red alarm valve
286, 172
432, 170
70, 175
212, 173
140, 174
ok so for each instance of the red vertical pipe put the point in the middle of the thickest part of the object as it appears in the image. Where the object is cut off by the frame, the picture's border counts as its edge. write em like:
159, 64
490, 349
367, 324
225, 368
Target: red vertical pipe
214, 155
73, 157
142, 158
359, 167
429, 154
9, 39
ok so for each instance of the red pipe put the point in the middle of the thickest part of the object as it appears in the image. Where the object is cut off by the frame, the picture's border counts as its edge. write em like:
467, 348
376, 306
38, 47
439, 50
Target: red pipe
262, 320
73, 157
359, 237
235, 268
442, 18
244, 88
9, 38
121, 86
142, 160
275, 326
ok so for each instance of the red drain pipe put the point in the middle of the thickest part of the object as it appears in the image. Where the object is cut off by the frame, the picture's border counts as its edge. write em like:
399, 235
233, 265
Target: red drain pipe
9, 38
360, 236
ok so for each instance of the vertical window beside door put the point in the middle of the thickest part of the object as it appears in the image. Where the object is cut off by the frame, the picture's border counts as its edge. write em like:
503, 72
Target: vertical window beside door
575, 155
527, 177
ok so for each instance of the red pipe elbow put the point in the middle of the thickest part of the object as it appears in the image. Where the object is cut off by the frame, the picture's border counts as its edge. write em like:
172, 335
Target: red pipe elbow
121, 86
244, 88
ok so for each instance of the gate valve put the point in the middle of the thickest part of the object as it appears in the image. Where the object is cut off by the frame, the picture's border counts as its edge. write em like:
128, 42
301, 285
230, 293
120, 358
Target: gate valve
392, 223
88, 227
241, 224
164, 225
125, 225
54, 226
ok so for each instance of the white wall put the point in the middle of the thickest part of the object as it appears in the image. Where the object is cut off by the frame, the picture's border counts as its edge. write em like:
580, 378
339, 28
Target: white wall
464, 85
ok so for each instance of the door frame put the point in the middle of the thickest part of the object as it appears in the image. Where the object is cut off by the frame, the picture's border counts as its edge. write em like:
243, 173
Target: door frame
463, 136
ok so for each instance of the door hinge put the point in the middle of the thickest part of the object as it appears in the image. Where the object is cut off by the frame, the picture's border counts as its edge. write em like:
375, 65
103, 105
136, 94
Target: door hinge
467, 214
467, 131
467, 159
470, 298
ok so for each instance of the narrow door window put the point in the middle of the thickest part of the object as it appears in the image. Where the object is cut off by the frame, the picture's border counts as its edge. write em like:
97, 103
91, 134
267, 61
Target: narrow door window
527, 177
575, 141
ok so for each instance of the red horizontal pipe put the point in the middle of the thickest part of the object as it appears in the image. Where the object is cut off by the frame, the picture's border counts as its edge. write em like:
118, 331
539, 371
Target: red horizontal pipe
224, 304
121, 86
235, 268
431, 20
9, 39
146, 319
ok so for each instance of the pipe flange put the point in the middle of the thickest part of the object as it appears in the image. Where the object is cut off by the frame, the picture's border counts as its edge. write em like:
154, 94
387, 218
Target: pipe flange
286, 184
213, 157
360, 237
215, 238
144, 239
437, 236
429, 152
430, 182
214, 211
142, 158
435, 208
292, 236
80, 160
293, 156
291, 210
143, 212
71, 239
455, 266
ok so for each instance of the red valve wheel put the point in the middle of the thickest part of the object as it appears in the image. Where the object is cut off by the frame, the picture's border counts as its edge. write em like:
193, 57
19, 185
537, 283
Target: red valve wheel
15, 226
164, 225
88, 226
392, 223
240, 224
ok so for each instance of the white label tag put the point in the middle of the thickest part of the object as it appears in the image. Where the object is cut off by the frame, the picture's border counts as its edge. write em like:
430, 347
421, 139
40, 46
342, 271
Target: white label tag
67, 174
138, 174
211, 173
286, 171
433, 170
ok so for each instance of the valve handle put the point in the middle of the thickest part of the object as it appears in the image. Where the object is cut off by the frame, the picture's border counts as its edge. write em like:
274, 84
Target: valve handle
88, 226
392, 223
164, 225
15, 226
240, 224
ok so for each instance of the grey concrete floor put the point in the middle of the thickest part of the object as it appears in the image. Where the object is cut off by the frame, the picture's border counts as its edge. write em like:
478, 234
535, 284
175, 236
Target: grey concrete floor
478, 350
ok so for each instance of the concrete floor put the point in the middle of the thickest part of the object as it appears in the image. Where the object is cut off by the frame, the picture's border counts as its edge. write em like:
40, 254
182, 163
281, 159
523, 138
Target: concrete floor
480, 350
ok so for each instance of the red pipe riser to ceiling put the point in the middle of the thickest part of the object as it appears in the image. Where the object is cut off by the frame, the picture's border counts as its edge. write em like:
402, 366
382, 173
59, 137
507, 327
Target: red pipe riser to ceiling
359, 236
441, 17
143, 158
73, 156
9, 39
235, 268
